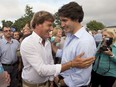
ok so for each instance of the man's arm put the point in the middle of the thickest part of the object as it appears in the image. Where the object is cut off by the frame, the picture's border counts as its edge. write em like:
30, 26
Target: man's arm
78, 62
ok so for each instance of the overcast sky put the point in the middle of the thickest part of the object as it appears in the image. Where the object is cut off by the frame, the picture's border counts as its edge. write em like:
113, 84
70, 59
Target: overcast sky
103, 11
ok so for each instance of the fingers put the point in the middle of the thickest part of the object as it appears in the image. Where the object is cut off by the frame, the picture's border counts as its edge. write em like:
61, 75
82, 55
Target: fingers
7, 77
56, 79
84, 62
89, 59
80, 55
88, 62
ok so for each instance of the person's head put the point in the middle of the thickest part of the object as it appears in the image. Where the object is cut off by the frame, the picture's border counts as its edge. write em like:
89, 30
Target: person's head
26, 31
16, 35
57, 31
7, 32
99, 31
108, 35
42, 23
70, 15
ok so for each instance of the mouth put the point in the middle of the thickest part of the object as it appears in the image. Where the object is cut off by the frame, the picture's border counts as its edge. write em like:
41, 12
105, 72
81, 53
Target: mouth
47, 34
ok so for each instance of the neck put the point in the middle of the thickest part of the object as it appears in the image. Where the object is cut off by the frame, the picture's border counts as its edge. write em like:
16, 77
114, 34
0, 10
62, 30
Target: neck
77, 26
8, 39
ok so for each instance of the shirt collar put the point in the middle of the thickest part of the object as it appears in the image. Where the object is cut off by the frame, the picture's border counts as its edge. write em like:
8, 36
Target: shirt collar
5, 41
38, 38
79, 33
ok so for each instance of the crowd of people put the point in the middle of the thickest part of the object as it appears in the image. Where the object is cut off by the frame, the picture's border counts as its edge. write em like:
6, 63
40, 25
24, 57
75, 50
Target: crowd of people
68, 56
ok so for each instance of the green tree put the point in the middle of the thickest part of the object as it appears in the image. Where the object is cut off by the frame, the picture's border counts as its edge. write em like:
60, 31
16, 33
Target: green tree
28, 11
21, 22
57, 21
6, 23
94, 25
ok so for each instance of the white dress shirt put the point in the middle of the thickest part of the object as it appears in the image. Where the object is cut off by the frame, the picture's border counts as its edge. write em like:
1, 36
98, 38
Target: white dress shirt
37, 60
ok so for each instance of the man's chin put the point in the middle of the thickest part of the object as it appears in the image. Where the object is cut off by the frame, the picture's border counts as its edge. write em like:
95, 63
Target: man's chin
46, 37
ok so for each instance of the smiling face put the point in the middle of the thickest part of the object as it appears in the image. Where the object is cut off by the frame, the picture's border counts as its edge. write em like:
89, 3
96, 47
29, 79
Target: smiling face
16, 35
44, 29
67, 24
42, 23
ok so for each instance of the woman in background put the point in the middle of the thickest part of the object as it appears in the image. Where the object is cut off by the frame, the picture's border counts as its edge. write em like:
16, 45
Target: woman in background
104, 68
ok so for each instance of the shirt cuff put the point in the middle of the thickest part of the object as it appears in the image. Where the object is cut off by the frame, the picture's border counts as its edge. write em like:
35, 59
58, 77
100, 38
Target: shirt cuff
51, 78
58, 69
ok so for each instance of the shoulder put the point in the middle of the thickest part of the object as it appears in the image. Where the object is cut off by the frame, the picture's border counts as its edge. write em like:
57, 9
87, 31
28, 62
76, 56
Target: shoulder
15, 41
1, 40
28, 41
87, 36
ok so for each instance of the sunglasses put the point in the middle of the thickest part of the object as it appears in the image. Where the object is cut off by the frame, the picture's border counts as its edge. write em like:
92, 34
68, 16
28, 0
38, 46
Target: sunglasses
7, 30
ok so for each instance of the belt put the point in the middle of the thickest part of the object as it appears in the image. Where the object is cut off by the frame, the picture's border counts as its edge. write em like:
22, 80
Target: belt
35, 85
16, 63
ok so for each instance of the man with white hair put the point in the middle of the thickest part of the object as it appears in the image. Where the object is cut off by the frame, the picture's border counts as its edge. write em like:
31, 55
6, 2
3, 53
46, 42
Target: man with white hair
98, 37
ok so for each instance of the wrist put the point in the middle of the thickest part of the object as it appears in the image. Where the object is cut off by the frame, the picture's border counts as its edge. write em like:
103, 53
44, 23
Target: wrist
71, 64
112, 56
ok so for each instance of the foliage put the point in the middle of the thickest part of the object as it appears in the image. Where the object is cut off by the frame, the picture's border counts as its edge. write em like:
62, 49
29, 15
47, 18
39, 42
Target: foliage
57, 21
94, 25
21, 22
7, 23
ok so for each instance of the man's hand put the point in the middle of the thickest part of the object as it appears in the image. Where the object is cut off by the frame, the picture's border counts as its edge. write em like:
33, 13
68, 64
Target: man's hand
57, 80
6, 76
82, 62
51, 84
78, 62
57, 39
108, 52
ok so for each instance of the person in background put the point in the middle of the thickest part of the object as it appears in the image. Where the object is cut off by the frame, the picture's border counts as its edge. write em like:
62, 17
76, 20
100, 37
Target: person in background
98, 37
56, 33
26, 31
56, 38
104, 69
36, 53
16, 35
8, 57
78, 40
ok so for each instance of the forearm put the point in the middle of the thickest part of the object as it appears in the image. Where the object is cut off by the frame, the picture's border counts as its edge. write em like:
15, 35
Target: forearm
66, 66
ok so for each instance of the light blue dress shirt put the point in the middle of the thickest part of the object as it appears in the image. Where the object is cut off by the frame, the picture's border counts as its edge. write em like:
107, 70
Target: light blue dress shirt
98, 37
8, 51
75, 44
